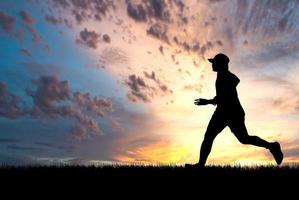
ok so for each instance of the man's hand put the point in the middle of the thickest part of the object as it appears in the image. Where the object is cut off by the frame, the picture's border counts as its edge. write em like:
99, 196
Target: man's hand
201, 102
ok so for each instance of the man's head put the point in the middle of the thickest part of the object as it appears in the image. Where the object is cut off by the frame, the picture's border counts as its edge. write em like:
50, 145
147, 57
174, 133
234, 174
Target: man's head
219, 62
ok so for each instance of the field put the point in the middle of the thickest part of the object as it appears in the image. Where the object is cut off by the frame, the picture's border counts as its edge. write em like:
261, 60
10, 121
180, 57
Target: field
143, 178
119, 172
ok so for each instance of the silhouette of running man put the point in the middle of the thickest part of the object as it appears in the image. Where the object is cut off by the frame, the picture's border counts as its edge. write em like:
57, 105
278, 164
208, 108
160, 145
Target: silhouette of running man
229, 112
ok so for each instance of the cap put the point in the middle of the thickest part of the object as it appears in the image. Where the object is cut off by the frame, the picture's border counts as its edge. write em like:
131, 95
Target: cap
219, 58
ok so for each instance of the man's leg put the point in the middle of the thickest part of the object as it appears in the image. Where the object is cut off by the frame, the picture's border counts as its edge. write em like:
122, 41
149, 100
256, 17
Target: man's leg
239, 129
216, 125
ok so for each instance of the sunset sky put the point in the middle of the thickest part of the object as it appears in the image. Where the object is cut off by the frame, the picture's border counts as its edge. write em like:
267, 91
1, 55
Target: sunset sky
95, 81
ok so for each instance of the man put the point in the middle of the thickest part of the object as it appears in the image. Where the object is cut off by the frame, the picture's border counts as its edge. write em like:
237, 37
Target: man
229, 112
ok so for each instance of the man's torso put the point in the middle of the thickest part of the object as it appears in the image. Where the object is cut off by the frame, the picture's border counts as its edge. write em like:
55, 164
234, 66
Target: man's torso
226, 93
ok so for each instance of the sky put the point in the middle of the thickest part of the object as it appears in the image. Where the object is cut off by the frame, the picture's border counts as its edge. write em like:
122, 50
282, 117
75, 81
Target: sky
101, 81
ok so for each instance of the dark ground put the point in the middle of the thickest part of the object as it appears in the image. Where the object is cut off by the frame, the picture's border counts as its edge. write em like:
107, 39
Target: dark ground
278, 181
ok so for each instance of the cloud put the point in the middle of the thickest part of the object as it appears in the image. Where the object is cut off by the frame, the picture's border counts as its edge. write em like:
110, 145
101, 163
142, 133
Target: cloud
209, 34
136, 12
291, 152
79, 133
26, 17
277, 51
216, 1
24, 148
278, 81
46, 144
53, 20
29, 22
97, 105
52, 99
219, 42
11, 106
62, 3
138, 90
113, 56
290, 149
287, 103
161, 85
70, 148
106, 38
79, 16
197, 87
141, 91
267, 28
83, 10
164, 17
195, 46
9, 140
287, 99
160, 16
255, 16
158, 31
26, 52
158, 13
49, 92
90, 123
161, 49
151, 76
158, 9
153, 9
180, 4
36, 37
89, 38
7, 22
80, 4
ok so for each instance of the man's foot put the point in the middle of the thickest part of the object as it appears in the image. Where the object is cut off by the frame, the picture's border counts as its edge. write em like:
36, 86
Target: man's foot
276, 152
197, 165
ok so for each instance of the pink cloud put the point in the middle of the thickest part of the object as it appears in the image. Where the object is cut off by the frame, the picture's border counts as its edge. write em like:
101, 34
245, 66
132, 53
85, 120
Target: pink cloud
26, 17
53, 99
11, 106
49, 91
79, 133
29, 21
7, 22
89, 38
82, 10
97, 105
106, 38
141, 91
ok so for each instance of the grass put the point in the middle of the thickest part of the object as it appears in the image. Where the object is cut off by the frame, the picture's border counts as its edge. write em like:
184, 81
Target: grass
149, 171
152, 180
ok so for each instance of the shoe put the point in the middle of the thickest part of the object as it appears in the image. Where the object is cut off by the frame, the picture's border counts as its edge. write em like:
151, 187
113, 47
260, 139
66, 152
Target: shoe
276, 152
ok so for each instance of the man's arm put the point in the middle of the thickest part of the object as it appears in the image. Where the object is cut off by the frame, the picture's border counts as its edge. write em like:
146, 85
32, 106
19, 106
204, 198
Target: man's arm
214, 101
200, 101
